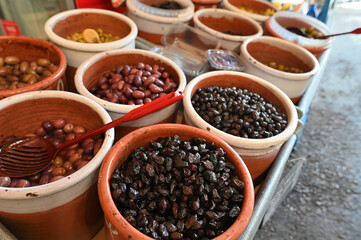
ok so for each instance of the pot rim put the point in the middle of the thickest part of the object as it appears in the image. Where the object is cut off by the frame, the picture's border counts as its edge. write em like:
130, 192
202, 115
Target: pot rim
79, 175
186, 16
117, 107
89, 47
239, 141
218, 12
281, 44
257, 17
111, 212
46, 81
312, 44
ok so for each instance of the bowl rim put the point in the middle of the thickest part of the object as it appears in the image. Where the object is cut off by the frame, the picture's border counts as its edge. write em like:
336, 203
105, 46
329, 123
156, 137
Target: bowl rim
79, 175
275, 28
187, 15
117, 107
89, 47
217, 12
257, 17
46, 81
111, 160
239, 141
281, 44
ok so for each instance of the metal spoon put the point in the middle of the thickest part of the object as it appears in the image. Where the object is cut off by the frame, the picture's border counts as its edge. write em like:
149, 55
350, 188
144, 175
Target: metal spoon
356, 31
26, 156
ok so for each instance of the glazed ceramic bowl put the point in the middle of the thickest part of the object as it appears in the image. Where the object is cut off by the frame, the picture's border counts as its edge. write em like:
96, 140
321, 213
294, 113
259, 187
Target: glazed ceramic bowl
31, 49
116, 226
67, 208
258, 154
89, 72
277, 24
63, 24
254, 9
201, 4
154, 22
230, 28
259, 52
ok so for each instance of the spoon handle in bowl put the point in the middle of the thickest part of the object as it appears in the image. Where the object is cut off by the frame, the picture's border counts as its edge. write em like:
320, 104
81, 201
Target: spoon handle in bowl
134, 114
356, 31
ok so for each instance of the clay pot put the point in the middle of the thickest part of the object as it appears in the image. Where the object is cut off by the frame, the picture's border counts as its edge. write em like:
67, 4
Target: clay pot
89, 72
31, 49
258, 7
257, 154
230, 28
154, 22
67, 208
201, 4
116, 226
63, 24
277, 24
259, 52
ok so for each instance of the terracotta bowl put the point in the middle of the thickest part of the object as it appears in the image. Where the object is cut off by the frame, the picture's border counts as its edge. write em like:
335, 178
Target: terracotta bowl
201, 4
116, 226
258, 154
89, 72
257, 6
154, 22
277, 24
61, 25
230, 28
259, 52
31, 49
67, 208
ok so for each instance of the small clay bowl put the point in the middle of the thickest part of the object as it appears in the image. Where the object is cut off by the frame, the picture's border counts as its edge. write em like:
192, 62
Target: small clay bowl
230, 28
258, 154
277, 24
63, 24
117, 227
31, 49
257, 7
259, 52
91, 69
153, 22
69, 207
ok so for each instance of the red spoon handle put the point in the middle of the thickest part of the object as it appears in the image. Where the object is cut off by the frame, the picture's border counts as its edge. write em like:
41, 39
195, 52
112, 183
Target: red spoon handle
356, 31
134, 114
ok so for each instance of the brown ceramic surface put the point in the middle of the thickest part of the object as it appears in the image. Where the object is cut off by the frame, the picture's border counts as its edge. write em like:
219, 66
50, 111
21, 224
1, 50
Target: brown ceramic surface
200, 4
255, 164
234, 25
123, 148
266, 53
70, 73
151, 37
257, 6
122, 131
23, 118
80, 218
31, 49
65, 222
79, 22
292, 22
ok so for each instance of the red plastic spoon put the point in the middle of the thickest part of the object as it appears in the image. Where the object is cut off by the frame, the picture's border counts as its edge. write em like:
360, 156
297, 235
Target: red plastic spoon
28, 155
356, 31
